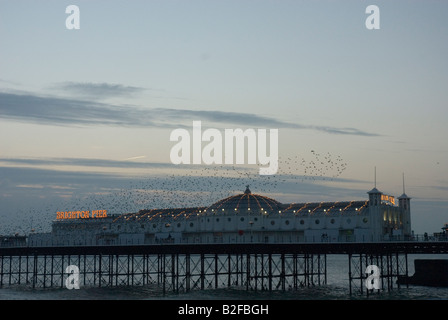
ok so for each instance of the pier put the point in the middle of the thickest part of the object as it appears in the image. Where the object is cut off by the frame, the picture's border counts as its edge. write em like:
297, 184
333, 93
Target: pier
183, 267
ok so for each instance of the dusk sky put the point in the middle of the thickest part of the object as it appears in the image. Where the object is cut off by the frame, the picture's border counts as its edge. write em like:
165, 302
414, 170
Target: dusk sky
86, 114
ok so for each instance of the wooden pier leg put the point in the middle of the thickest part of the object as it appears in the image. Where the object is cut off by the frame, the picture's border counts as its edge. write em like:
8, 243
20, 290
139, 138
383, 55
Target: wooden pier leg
407, 270
350, 272
52, 270
1, 271
173, 272
34, 270
255, 276
283, 272
26, 272
216, 271
270, 271
10, 270
325, 261
99, 269
187, 272
202, 272
229, 270
20, 267
247, 271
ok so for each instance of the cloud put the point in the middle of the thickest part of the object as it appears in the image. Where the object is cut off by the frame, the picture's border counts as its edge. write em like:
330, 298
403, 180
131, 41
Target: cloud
62, 111
85, 162
247, 119
37, 176
227, 117
58, 111
97, 91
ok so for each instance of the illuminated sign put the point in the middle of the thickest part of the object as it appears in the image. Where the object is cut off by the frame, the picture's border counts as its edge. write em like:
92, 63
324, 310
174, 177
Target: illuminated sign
388, 199
81, 214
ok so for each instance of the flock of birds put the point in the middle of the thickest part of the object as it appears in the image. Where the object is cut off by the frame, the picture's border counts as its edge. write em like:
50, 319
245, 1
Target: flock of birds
321, 166
202, 186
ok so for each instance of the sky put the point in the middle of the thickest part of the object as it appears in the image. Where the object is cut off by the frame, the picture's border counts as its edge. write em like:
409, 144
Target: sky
86, 114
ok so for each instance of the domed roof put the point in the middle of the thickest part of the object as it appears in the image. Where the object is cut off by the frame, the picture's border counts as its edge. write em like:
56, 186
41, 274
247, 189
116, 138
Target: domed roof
246, 202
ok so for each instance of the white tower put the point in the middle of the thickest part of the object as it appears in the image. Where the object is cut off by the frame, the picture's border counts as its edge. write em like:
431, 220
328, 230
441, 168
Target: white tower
404, 202
375, 214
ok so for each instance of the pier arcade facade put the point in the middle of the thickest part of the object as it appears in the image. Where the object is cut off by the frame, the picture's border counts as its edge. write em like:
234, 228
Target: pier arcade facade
242, 218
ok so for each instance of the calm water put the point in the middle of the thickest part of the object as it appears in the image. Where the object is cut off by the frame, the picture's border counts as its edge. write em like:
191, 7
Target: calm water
337, 288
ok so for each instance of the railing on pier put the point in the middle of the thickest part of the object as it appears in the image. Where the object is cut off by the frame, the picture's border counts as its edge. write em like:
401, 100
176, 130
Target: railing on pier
103, 239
